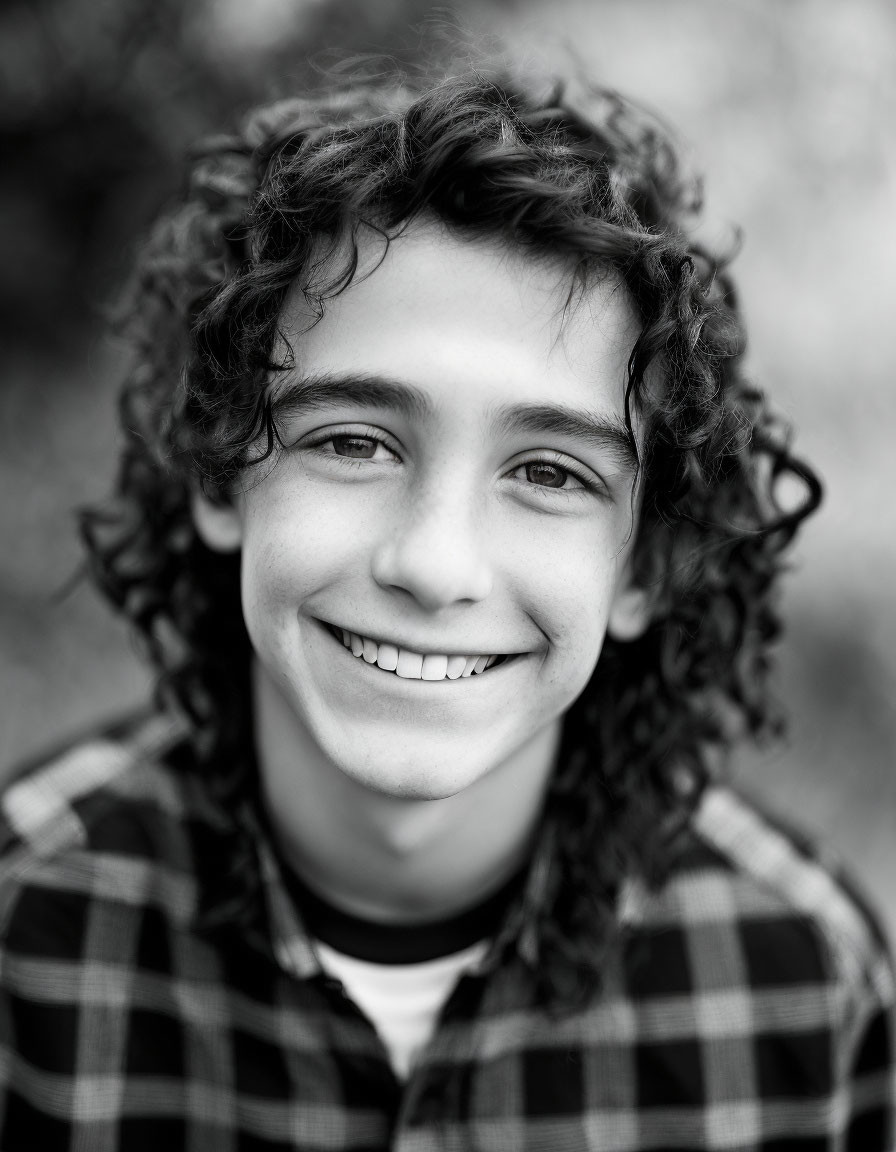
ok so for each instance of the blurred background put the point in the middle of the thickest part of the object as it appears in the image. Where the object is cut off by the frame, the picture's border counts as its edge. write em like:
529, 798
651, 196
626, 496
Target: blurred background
788, 106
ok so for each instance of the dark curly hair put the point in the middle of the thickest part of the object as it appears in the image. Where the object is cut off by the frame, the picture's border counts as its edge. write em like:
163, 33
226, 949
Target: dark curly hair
566, 168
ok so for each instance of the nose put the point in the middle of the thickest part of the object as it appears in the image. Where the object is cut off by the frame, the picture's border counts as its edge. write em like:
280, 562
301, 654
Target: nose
436, 551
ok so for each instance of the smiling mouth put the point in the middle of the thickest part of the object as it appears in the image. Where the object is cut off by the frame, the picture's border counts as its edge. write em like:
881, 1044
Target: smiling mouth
410, 665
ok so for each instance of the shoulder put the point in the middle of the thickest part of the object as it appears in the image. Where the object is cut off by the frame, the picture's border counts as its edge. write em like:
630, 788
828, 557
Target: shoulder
761, 919
772, 876
105, 821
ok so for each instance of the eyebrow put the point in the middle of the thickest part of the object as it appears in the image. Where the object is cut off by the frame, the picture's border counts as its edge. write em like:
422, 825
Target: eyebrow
323, 389
609, 434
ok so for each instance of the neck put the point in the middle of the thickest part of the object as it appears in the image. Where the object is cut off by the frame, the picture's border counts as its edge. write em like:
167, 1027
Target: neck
389, 858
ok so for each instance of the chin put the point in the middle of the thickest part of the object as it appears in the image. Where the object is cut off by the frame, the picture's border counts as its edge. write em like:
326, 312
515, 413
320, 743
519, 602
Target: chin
414, 773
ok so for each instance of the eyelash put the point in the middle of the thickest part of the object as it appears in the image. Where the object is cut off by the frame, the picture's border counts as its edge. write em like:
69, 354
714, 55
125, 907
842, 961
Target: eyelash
555, 460
350, 434
588, 482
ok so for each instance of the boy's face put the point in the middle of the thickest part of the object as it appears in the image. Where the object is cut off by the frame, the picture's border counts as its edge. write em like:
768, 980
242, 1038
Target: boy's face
456, 483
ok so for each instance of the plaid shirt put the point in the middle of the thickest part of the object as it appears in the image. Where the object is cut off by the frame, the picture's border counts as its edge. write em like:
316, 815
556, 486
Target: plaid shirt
751, 1007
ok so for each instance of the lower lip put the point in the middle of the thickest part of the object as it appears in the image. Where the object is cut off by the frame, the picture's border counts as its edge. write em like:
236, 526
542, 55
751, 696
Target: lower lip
385, 676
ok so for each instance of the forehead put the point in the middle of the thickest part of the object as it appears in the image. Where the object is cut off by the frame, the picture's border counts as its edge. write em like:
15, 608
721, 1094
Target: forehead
459, 315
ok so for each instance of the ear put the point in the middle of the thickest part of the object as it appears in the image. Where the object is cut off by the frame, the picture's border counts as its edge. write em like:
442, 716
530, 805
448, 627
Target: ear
220, 526
630, 611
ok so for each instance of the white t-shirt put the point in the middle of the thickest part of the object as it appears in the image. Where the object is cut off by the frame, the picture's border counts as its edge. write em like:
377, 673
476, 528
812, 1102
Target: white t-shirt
402, 1001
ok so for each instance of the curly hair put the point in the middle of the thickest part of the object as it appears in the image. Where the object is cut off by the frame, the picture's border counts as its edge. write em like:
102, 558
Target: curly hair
569, 169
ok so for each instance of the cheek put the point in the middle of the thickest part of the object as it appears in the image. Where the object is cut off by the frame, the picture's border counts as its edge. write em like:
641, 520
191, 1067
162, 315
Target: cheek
567, 584
272, 576
296, 543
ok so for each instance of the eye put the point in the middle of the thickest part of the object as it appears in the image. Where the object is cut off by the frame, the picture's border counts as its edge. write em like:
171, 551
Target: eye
548, 475
553, 479
355, 447
351, 445
551, 475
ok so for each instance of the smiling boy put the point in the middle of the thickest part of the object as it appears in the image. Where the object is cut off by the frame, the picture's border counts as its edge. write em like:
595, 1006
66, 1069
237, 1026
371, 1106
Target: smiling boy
406, 528
450, 522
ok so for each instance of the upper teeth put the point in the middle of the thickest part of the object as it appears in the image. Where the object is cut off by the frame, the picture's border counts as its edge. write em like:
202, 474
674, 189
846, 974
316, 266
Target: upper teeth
414, 665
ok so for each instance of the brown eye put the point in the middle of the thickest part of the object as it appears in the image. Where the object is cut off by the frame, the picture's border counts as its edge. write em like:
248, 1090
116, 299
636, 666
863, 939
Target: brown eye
357, 447
547, 475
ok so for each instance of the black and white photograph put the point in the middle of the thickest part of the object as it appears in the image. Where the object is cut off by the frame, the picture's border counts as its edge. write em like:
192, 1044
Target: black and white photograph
447, 614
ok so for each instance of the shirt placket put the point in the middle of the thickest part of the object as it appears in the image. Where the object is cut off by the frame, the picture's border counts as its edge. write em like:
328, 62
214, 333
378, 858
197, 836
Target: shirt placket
432, 1114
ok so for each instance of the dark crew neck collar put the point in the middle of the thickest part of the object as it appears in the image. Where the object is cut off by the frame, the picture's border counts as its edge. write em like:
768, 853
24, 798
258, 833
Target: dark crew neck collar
387, 943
